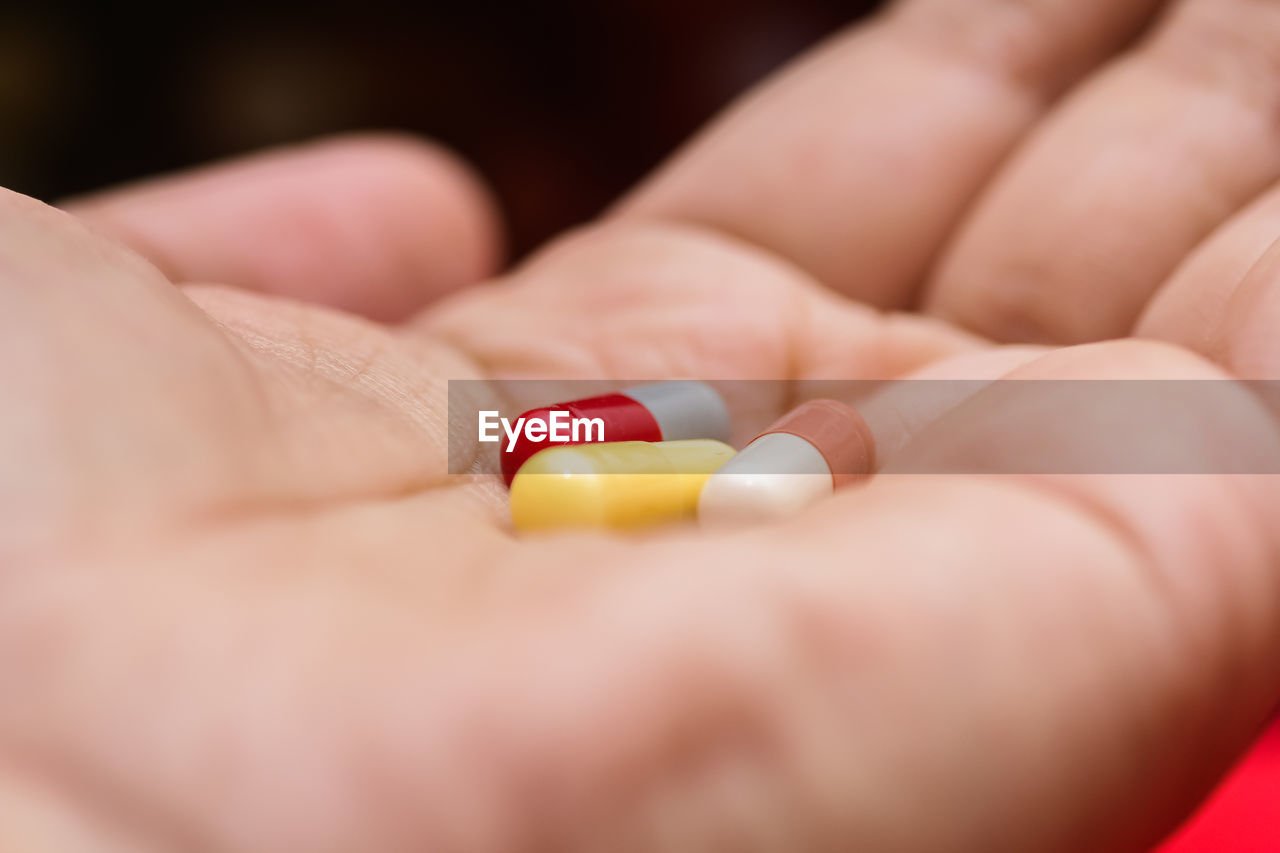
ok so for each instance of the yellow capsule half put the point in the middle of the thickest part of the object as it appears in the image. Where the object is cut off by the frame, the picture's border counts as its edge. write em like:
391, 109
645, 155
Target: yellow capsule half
621, 485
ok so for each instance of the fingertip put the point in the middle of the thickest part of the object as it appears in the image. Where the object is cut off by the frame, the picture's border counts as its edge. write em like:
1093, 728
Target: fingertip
375, 223
450, 192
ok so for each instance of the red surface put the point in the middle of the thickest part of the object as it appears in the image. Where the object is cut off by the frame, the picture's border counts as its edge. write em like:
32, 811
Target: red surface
1244, 816
624, 420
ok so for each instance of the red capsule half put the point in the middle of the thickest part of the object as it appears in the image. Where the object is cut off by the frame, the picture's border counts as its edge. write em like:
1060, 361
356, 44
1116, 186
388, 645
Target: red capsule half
662, 411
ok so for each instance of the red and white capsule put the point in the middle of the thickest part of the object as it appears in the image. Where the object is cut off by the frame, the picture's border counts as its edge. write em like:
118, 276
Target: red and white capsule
808, 454
661, 411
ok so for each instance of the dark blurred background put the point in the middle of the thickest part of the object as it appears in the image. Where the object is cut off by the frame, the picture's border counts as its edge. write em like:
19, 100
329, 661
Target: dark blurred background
561, 106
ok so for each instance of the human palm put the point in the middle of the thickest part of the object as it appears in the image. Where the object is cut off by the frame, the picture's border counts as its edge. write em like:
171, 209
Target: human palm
244, 607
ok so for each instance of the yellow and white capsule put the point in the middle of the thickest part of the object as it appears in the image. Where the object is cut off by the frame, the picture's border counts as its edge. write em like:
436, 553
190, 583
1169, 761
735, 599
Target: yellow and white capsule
621, 485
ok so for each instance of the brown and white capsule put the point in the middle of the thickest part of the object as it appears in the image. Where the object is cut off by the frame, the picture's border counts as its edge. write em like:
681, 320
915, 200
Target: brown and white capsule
809, 453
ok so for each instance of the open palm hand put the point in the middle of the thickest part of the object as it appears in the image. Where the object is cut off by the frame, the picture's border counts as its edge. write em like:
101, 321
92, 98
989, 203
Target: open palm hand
243, 606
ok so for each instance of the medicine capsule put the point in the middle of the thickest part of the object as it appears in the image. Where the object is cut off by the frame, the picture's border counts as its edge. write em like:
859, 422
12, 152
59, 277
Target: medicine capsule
804, 457
619, 485
661, 411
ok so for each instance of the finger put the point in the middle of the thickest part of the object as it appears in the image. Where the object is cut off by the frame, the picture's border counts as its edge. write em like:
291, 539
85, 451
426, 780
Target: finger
680, 302
1135, 170
1072, 675
858, 162
378, 225
1206, 305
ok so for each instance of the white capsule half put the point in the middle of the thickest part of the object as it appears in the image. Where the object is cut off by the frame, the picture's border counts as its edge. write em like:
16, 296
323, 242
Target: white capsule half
774, 477
684, 409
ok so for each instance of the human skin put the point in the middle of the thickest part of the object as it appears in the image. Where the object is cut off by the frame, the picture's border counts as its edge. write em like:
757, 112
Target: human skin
243, 606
